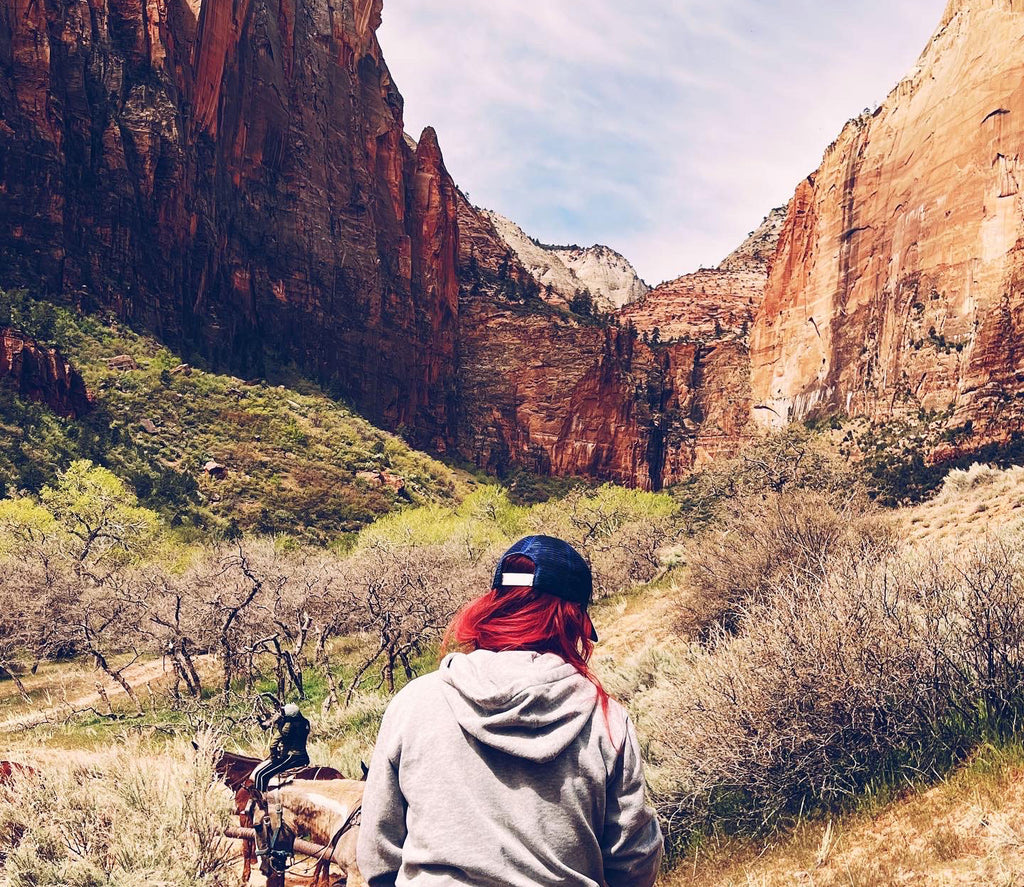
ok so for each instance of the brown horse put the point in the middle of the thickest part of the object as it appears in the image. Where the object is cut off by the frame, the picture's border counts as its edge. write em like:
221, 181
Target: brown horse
236, 771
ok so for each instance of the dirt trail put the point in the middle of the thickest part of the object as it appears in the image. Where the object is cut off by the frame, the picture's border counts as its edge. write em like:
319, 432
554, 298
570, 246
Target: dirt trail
138, 674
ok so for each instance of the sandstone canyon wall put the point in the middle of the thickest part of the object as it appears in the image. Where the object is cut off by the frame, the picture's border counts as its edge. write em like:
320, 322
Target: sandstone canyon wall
234, 175
558, 393
898, 283
712, 303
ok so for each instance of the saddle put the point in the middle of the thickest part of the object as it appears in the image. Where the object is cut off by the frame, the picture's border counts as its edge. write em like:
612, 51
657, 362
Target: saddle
283, 778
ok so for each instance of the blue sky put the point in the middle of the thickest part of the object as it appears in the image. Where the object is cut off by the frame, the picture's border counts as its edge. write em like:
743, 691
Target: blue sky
663, 128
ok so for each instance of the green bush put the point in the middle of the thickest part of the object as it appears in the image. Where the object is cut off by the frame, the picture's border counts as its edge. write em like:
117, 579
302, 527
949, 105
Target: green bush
291, 457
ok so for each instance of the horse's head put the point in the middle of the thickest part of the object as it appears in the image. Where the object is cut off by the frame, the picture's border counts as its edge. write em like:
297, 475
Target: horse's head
233, 769
323, 812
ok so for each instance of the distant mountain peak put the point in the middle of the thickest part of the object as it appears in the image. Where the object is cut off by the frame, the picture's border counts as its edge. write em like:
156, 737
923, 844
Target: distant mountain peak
755, 253
599, 269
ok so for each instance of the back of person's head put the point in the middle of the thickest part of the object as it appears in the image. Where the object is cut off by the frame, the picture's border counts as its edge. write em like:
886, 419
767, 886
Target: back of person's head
524, 617
518, 617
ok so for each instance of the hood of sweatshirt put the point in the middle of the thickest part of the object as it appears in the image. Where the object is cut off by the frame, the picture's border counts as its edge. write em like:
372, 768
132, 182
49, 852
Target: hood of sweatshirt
531, 705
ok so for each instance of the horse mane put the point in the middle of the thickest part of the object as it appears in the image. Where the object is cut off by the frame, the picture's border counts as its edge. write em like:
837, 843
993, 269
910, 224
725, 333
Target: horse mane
234, 769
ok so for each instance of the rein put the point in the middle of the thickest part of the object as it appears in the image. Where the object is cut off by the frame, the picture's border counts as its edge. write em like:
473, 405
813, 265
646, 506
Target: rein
323, 854
351, 821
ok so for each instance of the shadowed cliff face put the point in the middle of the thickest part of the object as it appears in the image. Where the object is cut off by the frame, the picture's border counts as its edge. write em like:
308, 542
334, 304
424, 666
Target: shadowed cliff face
233, 175
35, 372
898, 284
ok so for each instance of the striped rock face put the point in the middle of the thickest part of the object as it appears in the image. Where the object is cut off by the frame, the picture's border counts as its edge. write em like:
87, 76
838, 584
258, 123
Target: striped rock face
898, 284
234, 176
35, 372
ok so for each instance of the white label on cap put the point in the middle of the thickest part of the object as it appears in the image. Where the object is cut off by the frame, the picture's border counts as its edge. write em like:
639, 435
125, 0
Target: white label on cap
517, 579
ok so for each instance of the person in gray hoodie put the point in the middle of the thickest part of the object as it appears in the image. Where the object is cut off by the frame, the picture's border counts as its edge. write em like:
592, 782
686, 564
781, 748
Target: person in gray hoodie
510, 766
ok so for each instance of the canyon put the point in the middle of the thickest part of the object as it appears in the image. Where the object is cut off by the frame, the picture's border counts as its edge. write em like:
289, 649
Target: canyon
711, 303
559, 393
234, 175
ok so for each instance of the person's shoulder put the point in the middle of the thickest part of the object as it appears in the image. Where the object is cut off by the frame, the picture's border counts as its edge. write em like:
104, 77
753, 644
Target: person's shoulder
420, 692
618, 721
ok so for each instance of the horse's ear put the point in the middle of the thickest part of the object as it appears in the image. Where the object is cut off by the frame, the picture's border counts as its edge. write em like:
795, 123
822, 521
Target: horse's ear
365, 769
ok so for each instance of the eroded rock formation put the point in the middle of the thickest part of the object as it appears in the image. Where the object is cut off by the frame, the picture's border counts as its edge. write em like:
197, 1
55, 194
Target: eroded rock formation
564, 271
898, 284
35, 372
712, 303
233, 174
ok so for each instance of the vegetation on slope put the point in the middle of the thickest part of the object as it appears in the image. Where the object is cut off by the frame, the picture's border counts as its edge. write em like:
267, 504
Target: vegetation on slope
810, 651
295, 461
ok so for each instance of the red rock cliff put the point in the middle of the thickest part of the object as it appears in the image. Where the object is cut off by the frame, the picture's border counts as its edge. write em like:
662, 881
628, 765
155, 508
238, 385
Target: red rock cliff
545, 389
35, 372
233, 175
899, 279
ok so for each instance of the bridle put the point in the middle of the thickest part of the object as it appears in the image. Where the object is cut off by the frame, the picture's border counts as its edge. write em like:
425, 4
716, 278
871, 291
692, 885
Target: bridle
282, 859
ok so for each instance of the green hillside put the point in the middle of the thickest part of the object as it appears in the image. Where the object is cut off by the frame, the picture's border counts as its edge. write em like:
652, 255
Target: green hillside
295, 461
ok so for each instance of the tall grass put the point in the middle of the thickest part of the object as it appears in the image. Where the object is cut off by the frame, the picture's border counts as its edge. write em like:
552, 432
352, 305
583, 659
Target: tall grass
132, 815
882, 669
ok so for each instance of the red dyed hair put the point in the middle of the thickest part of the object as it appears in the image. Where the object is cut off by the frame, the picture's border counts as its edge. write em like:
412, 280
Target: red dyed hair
518, 618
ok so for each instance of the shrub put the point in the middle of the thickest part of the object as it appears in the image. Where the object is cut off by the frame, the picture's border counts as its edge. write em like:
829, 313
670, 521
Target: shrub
791, 460
960, 480
881, 670
119, 818
620, 532
765, 540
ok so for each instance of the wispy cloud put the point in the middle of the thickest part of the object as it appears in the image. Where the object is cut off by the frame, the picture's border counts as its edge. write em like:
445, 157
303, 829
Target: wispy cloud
665, 128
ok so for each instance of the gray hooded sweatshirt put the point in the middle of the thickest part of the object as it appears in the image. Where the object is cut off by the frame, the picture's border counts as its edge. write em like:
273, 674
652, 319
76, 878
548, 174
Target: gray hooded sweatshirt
500, 770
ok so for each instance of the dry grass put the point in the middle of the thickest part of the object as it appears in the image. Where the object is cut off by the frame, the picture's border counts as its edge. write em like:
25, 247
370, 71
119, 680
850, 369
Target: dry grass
765, 539
967, 831
133, 814
971, 503
59, 688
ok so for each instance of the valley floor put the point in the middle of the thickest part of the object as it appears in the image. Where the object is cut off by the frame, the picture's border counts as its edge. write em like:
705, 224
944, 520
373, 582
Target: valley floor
966, 830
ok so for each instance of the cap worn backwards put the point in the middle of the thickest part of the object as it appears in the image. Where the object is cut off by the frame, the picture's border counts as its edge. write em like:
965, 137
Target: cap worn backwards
559, 570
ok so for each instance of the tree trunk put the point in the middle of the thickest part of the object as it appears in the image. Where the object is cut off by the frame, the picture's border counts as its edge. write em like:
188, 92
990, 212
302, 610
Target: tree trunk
9, 669
117, 677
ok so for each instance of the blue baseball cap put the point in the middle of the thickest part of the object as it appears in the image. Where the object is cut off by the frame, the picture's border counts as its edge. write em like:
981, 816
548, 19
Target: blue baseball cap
558, 570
